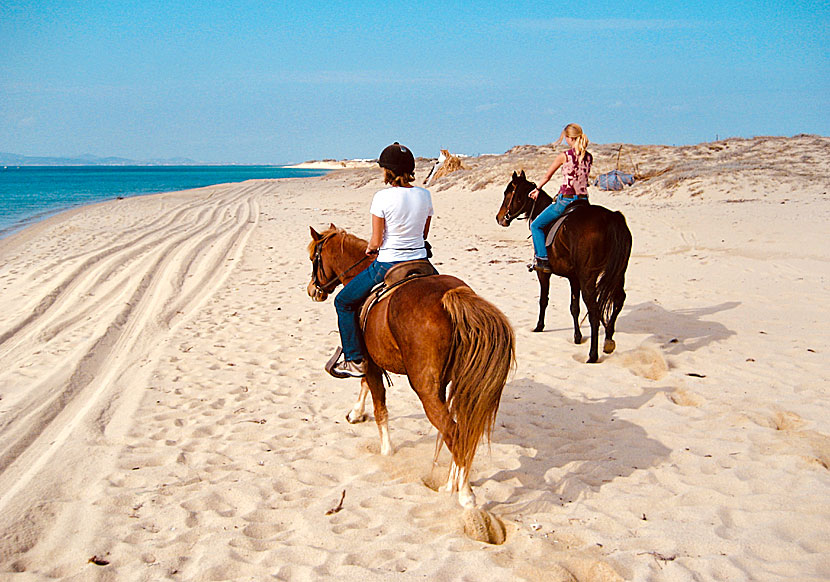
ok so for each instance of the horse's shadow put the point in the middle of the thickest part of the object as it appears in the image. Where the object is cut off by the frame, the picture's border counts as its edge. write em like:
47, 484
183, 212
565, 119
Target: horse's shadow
573, 446
681, 330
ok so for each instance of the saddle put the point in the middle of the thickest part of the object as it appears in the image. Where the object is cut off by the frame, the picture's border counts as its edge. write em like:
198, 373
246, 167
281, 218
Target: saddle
554, 228
395, 277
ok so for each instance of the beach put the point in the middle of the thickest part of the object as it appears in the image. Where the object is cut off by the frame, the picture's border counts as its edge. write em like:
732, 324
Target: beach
165, 415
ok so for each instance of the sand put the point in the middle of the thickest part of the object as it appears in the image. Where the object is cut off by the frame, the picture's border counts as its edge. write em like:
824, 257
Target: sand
165, 412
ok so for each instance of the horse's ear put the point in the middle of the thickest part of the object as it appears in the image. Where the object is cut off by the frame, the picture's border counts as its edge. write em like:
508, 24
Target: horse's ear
523, 174
331, 226
314, 234
514, 174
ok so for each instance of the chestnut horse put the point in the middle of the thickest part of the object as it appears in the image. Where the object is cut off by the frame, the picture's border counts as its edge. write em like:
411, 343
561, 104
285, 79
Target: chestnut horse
438, 332
591, 250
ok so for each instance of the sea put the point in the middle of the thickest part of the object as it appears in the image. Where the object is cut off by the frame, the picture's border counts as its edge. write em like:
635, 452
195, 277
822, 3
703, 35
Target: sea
31, 193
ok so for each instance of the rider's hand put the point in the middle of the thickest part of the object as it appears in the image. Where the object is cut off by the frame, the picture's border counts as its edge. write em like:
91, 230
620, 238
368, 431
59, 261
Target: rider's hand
370, 251
534, 193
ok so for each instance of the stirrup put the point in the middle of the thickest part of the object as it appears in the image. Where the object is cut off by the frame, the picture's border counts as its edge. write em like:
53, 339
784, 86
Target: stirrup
541, 264
333, 362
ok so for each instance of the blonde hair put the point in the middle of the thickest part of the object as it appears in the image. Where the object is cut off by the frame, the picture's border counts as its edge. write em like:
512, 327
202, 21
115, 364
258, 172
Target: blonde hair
574, 131
402, 180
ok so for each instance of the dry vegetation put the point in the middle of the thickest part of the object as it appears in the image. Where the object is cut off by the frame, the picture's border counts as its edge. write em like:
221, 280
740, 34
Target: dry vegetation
778, 163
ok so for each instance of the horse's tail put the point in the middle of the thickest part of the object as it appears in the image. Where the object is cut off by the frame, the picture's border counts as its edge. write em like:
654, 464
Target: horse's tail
481, 357
613, 276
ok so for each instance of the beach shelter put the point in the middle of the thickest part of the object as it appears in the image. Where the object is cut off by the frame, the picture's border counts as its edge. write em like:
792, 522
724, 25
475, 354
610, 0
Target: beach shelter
614, 180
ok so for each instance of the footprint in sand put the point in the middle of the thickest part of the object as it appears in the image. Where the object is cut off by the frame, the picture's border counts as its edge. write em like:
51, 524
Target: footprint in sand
683, 397
645, 361
436, 478
262, 531
783, 420
779, 420
819, 447
810, 445
483, 526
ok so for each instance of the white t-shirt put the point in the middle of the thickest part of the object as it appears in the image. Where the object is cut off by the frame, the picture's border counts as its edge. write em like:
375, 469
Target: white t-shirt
405, 211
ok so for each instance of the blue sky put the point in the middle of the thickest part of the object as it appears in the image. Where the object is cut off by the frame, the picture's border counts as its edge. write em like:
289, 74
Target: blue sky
282, 82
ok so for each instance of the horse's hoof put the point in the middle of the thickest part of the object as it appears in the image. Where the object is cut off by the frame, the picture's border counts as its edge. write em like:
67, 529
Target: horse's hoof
356, 419
593, 359
609, 347
539, 328
577, 338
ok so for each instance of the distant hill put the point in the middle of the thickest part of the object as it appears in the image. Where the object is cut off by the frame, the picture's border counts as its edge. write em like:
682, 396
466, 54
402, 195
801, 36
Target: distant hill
8, 159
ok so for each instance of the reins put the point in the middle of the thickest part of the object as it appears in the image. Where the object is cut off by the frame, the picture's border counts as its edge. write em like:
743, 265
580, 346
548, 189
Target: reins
317, 262
527, 213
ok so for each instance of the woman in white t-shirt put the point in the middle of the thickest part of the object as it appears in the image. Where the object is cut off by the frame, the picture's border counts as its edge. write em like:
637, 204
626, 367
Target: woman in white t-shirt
400, 215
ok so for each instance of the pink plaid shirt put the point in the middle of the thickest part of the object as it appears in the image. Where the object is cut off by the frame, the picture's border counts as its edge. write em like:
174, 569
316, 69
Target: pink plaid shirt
575, 174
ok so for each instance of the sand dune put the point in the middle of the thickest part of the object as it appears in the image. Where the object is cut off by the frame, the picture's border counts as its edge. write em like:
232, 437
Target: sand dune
164, 407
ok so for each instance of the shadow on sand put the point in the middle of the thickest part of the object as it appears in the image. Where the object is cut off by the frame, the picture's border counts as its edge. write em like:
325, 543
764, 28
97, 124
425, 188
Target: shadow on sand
678, 331
574, 446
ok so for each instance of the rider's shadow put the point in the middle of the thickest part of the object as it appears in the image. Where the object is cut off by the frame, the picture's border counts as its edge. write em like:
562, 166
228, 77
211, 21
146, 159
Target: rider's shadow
680, 330
570, 447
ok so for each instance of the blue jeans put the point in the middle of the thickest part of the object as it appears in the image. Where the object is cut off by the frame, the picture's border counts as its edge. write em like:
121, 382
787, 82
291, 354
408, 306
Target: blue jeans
348, 303
547, 217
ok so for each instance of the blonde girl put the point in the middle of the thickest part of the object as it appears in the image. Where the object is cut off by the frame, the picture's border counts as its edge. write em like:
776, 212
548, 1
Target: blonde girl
576, 165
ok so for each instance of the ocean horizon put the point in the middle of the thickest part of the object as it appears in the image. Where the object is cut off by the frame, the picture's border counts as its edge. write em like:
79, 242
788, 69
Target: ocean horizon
29, 194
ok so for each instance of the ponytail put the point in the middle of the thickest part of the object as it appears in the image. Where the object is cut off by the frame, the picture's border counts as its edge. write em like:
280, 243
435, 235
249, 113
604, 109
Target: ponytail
574, 131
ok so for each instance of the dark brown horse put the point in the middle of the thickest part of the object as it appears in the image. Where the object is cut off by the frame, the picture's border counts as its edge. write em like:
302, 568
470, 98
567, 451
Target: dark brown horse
591, 249
438, 332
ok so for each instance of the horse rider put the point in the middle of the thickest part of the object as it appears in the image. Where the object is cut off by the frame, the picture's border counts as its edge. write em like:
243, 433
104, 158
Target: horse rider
400, 218
576, 165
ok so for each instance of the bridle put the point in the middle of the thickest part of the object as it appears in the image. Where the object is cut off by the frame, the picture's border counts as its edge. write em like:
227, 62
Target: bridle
527, 212
317, 265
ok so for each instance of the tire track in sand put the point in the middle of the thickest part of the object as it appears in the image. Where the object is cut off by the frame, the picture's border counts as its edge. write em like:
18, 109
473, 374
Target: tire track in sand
102, 322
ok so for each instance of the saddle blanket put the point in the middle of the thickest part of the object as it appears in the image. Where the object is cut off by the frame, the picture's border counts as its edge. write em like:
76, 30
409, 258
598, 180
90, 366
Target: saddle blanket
554, 228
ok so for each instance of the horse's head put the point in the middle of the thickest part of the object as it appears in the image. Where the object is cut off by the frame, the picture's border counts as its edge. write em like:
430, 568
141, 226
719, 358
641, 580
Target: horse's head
323, 278
336, 257
516, 200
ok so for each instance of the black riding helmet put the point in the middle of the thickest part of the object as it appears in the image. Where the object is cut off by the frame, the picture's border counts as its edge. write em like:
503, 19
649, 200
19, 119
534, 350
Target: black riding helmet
397, 158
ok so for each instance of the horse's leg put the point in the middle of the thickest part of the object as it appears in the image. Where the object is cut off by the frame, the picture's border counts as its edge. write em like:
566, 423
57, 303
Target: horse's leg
610, 345
357, 413
374, 379
428, 391
459, 480
452, 479
428, 388
465, 493
544, 292
575, 308
589, 294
